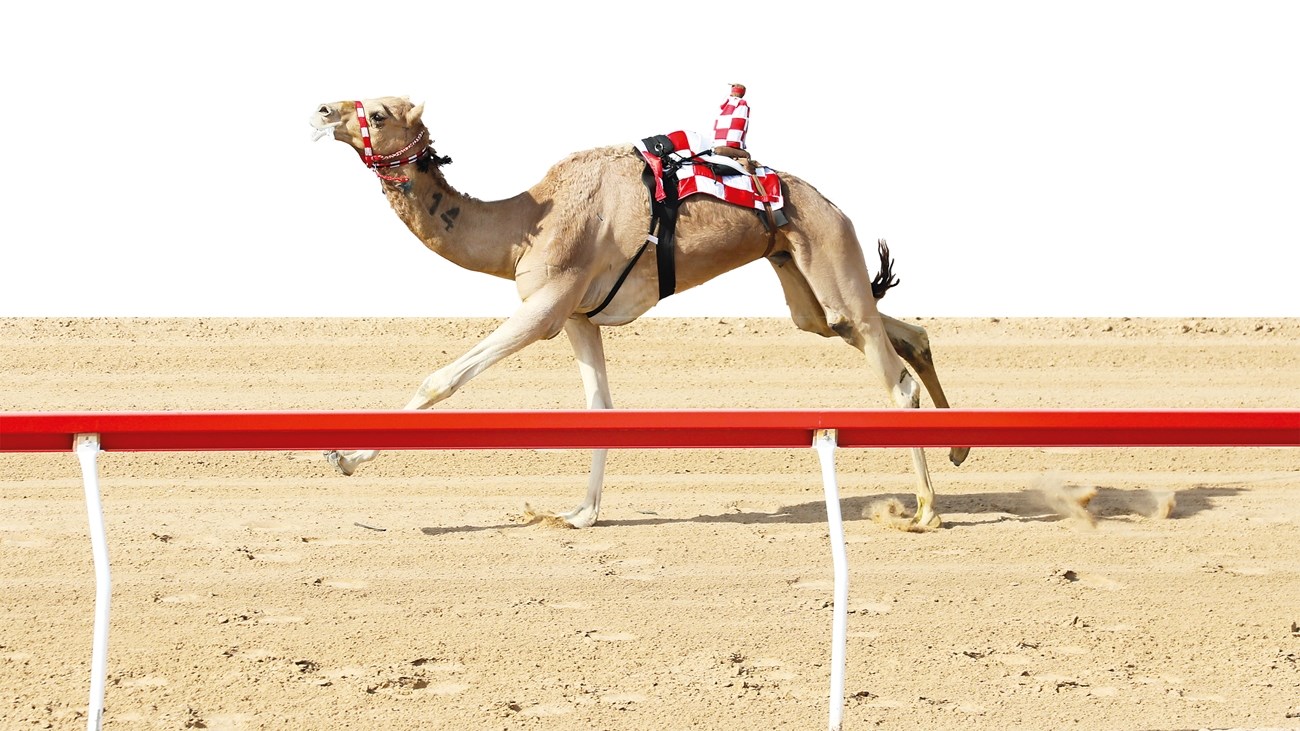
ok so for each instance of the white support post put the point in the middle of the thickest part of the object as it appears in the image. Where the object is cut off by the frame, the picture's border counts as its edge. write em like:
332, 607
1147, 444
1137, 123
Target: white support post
87, 448
825, 442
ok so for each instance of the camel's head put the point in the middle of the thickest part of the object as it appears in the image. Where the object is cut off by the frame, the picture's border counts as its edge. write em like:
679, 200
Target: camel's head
391, 123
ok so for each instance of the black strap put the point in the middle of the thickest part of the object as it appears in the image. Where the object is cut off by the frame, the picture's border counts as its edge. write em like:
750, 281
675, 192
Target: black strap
663, 224
663, 229
666, 218
621, 278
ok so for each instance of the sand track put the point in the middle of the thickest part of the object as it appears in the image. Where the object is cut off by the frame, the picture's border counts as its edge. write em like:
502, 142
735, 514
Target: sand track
248, 597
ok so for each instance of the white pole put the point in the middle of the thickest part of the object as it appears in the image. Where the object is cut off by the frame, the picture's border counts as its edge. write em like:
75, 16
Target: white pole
825, 441
87, 449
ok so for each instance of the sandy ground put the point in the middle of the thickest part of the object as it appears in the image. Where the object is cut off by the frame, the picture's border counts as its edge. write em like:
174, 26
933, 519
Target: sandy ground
265, 591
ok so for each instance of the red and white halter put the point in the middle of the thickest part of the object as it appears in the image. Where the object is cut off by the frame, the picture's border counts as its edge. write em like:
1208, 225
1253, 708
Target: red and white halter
375, 162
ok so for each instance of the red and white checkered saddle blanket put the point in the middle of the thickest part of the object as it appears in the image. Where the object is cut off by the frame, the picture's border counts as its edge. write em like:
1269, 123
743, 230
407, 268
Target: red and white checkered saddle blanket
684, 165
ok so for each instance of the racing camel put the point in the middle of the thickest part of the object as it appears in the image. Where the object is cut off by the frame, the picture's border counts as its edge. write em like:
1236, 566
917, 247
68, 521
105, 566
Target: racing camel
571, 245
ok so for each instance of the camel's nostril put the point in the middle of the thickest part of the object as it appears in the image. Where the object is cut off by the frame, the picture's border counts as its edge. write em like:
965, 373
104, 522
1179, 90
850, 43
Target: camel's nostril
324, 109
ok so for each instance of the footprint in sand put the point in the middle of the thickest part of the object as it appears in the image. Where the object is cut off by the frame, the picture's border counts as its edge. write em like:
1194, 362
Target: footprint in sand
610, 636
1249, 571
346, 584
270, 526
282, 619
228, 722
1060, 681
542, 710
1092, 581
256, 654
751, 506
1211, 698
287, 557
347, 671
617, 698
180, 599
1069, 650
1116, 628
591, 547
633, 562
147, 681
448, 688
885, 703
638, 563
772, 669
440, 667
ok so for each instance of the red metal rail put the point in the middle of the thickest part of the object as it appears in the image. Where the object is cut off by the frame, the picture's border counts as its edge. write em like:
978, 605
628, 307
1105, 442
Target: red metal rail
311, 430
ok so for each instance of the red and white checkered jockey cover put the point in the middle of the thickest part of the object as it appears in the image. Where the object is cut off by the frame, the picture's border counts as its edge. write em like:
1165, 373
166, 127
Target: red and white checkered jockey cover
732, 124
735, 189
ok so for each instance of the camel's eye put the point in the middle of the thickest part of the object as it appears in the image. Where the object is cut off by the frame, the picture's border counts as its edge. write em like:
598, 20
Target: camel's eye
377, 117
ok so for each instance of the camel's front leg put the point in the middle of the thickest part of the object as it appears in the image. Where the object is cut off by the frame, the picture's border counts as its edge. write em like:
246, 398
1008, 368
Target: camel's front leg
913, 344
585, 339
541, 316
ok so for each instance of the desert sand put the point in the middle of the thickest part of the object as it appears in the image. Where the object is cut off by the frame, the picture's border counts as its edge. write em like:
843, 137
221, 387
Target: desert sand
266, 591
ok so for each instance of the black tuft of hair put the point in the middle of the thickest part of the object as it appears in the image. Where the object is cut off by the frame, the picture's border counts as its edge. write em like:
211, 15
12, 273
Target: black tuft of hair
885, 277
431, 158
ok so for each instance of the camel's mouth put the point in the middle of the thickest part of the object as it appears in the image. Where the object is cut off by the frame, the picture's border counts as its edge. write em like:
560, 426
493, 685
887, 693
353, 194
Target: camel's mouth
323, 129
324, 121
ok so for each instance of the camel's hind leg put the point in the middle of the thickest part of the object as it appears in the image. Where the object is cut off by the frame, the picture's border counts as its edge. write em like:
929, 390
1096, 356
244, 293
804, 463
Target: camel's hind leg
913, 344
909, 341
836, 275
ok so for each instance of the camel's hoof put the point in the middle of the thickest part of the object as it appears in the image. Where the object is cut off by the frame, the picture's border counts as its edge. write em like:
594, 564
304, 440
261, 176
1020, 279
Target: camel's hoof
339, 463
934, 523
957, 455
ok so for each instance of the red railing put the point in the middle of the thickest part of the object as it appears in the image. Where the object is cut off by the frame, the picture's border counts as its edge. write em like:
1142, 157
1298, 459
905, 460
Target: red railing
709, 429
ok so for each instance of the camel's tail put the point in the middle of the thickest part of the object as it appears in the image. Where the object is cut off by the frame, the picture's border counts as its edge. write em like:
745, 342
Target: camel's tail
885, 277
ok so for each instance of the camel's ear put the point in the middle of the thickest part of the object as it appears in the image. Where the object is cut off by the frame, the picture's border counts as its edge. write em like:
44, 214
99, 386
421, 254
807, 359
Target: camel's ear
413, 116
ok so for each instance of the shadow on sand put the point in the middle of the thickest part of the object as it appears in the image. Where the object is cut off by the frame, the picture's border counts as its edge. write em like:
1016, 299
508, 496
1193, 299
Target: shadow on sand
1110, 503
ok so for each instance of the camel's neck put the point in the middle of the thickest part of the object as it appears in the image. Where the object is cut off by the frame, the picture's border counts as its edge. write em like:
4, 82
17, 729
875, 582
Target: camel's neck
481, 236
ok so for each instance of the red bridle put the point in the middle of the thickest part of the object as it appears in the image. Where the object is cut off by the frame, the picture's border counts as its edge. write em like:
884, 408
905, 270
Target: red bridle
393, 160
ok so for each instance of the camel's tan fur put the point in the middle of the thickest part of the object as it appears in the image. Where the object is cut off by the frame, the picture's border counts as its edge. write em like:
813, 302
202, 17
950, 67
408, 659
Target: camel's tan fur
566, 240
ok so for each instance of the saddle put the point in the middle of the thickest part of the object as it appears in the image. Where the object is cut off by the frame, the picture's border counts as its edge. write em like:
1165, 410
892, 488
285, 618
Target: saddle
679, 157
675, 170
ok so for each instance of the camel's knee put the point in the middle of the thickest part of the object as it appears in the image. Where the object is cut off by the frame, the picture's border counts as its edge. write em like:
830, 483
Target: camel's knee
845, 328
858, 331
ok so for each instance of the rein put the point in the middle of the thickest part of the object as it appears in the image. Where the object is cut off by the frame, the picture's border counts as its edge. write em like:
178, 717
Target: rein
393, 160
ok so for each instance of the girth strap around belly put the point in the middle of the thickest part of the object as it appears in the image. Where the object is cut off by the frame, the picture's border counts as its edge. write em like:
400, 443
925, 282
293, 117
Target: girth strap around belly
663, 234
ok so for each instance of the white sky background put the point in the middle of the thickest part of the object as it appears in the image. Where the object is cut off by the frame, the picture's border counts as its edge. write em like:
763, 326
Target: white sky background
1021, 158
